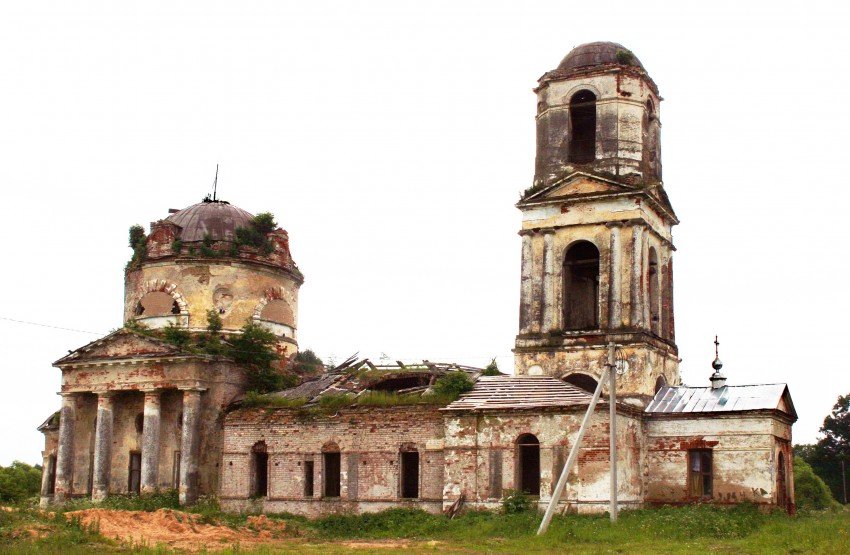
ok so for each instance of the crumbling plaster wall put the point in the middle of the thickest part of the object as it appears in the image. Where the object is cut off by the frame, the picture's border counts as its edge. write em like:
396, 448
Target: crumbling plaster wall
744, 447
479, 445
643, 365
222, 382
369, 440
236, 287
621, 104
623, 289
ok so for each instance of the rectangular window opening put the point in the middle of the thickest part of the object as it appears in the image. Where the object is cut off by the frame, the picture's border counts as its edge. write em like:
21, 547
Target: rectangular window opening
261, 475
308, 478
134, 478
332, 474
700, 472
175, 472
410, 474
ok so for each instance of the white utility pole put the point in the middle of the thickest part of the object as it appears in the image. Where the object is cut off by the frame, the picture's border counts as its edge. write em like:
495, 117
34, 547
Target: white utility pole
612, 412
568, 467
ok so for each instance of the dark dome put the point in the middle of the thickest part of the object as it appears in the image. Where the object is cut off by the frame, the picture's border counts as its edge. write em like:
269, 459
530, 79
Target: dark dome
597, 54
218, 219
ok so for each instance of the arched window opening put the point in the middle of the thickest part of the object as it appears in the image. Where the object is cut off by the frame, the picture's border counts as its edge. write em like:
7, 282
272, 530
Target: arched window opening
583, 127
659, 383
259, 470
528, 464
157, 303
583, 381
581, 287
409, 472
654, 293
331, 463
781, 483
278, 311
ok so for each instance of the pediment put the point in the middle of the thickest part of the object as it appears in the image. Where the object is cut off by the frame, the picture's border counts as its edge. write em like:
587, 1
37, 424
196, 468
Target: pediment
121, 344
579, 185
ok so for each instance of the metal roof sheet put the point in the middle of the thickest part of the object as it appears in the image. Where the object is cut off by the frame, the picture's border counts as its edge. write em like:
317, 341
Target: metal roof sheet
520, 392
670, 399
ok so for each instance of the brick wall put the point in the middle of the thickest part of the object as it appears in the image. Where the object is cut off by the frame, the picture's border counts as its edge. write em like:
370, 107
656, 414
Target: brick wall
368, 440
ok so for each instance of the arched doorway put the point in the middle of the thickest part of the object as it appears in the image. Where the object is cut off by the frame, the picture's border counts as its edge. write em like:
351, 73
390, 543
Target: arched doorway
528, 464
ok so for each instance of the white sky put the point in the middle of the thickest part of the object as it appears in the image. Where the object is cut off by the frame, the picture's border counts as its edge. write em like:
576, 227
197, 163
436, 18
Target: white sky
391, 139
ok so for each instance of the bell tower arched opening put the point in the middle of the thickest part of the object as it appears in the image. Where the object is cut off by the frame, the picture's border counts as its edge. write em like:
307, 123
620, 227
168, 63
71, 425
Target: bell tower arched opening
583, 127
581, 287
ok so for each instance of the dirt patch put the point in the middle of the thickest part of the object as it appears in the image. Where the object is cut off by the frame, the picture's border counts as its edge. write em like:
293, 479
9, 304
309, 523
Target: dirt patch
179, 530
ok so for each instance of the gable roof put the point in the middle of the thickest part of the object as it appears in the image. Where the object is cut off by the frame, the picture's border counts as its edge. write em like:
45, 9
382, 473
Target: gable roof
123, 344
729, 398
520, 392
582, 185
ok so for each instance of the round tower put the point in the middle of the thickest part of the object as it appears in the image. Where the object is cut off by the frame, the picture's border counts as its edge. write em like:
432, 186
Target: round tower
598, 111
213, 256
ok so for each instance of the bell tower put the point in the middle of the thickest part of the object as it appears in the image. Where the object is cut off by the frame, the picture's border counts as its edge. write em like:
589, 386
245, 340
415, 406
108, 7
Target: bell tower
597, 241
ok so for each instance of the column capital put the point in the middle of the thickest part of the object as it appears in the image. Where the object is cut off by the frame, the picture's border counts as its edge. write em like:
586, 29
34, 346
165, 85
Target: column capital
192, 389
525, 232
547, 231
616, 223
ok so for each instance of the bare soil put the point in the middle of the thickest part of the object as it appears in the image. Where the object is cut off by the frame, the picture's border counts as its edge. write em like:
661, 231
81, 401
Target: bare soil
180, 530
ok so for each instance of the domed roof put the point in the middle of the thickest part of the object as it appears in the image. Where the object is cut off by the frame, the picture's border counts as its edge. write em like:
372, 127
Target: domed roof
216, 218
598, 53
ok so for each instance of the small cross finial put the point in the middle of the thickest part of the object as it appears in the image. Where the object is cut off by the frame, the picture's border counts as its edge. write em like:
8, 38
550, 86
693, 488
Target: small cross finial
717, 365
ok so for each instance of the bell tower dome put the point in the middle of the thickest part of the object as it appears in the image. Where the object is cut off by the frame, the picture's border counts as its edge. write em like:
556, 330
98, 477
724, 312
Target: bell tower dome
597, 240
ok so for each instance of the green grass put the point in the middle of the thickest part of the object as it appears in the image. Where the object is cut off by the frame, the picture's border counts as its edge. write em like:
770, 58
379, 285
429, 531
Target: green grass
690, 529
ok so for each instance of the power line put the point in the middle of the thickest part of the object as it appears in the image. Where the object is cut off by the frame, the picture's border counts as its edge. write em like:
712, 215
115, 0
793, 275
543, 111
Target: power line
48, 326
332, 355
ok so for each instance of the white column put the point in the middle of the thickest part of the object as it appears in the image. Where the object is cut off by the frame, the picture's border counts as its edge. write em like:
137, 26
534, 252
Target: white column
102, 447
151, 442
525, 291
189, 446
549, 308
615, 306
636, 282
65, 452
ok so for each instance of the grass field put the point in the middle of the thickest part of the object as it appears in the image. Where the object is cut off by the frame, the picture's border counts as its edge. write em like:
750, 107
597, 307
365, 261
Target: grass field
691, 529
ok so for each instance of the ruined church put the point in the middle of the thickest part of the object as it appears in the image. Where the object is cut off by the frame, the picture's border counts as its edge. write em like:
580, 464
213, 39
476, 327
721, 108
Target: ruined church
141, 412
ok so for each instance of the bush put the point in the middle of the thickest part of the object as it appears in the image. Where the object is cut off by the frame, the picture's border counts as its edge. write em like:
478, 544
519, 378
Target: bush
514, 501
306, 363
811, 492
19, 482
176, 335
453, 384
492, 369
137, 241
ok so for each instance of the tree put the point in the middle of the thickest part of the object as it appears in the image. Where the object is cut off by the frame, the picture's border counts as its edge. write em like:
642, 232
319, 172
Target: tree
826, 456
836, 430
18, 482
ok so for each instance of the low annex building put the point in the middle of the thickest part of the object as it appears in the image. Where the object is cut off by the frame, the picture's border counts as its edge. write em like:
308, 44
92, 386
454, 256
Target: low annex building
145, 411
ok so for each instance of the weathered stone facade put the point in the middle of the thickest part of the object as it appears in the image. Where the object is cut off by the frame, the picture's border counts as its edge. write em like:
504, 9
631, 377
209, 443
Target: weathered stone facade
140, 414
